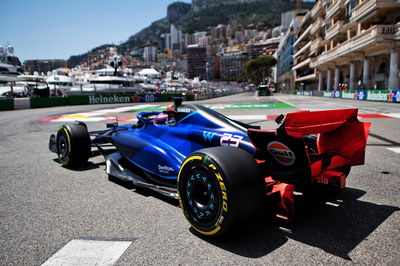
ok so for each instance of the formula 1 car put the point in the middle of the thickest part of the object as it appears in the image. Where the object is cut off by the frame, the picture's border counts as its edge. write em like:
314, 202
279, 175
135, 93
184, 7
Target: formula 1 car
222, 170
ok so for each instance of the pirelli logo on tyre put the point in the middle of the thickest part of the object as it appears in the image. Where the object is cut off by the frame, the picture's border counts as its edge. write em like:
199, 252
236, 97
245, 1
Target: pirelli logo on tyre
281, 153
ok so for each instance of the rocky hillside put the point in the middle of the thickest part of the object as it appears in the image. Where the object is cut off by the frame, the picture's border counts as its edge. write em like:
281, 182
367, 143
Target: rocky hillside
203, 14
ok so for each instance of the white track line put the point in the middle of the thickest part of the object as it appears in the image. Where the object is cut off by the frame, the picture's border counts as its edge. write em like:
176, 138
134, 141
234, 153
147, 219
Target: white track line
88, 252
396, 150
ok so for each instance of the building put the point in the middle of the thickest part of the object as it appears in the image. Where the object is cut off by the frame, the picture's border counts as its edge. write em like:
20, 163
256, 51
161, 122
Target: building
44, 66
349, 44
197, 61
284, 55
176, 35
232, 62
264, 48
150, 54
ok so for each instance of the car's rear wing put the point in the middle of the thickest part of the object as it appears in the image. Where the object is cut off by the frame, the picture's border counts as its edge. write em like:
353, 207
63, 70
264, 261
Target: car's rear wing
292, 156
340, 132
341, 141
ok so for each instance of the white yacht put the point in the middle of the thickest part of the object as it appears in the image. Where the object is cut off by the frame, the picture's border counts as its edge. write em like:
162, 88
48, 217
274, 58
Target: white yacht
60, 80
10, 68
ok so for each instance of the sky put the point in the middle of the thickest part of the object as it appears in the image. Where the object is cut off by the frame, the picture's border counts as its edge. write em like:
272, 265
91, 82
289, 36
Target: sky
57, 29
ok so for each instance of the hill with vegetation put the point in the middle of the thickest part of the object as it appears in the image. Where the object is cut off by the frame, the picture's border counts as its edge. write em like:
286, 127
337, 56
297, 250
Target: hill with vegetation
203, 14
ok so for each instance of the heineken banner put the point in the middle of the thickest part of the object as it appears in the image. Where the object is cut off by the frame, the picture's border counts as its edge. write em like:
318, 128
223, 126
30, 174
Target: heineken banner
101, 99
380, 96
392, 96
349, 94
327, 94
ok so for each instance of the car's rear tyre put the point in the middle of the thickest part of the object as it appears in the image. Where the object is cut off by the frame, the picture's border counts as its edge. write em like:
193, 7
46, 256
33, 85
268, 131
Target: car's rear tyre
73, 145
218, 187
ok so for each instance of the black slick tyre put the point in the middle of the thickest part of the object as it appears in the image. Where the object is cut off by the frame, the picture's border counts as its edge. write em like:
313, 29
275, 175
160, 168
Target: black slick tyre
73, 145
218, 187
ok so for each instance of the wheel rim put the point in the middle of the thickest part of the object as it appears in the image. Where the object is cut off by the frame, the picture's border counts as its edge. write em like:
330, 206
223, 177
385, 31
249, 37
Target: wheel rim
63, 146
202, 196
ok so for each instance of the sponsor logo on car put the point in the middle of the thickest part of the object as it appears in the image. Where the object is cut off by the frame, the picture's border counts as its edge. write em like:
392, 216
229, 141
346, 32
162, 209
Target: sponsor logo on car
165, 169
281, 153
208, 136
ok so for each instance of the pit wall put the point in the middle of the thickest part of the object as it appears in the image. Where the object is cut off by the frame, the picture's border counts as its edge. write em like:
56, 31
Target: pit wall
26, 103
392, 96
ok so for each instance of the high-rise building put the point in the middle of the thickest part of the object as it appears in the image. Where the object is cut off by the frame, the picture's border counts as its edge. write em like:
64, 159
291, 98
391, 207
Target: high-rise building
150, 54
197, 61
176, 35
284, 55
232, 60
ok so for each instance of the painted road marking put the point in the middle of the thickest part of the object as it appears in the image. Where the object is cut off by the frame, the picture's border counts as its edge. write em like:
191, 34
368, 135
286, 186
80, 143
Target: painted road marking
88, 252
396, 150
373, 116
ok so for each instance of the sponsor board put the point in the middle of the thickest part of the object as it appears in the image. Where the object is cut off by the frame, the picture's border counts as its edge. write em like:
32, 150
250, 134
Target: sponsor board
361, 95
327, 94
380, 96
148, 98
336, 94
394, 96
349, 94
103, 99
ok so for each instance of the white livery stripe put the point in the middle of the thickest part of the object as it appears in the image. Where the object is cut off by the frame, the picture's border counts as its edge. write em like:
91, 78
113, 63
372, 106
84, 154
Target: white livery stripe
88, 252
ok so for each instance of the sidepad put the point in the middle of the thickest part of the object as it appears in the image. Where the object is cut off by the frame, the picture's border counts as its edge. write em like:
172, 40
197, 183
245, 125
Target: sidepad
285, 157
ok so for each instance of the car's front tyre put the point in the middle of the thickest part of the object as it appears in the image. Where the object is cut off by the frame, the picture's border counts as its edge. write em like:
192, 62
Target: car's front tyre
73, 145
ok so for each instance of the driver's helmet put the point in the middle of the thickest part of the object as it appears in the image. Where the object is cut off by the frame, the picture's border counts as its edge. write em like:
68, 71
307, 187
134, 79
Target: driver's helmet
161, 119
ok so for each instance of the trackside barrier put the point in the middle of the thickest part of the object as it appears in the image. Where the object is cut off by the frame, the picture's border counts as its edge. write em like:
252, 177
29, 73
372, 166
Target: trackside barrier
48, 102
392, 96
6, 104
22, 103
26, 103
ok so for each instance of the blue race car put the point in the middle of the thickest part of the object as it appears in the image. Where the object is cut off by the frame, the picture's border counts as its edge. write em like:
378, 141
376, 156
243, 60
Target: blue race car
221, 170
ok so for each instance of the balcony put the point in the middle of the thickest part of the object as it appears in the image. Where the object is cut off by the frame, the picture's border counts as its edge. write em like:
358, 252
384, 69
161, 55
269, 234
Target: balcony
317, 8
334, 9
302, 50
315, 44
369, 38
302, 36
316, 26
304, 63
397, 35
368, 6
311, 76
334, 30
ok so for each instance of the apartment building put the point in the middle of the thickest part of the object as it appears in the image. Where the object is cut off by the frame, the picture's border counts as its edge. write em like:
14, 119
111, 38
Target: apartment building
197, 60
150, 54
284, 67
349, 44
264, 48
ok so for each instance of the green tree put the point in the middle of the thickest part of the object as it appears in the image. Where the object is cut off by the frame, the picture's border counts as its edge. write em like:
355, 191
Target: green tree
257, 70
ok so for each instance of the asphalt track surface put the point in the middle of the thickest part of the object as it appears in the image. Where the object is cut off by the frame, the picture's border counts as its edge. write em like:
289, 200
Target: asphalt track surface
43, 206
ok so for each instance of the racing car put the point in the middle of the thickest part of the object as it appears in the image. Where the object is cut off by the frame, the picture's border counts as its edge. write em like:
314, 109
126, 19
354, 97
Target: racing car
221, 170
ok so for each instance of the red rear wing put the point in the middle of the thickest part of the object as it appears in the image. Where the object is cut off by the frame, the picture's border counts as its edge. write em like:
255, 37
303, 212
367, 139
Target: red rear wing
340, 132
